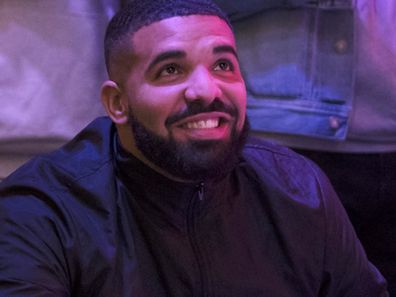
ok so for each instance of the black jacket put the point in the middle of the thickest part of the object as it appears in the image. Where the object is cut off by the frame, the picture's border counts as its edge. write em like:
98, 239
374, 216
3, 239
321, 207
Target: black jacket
89, 220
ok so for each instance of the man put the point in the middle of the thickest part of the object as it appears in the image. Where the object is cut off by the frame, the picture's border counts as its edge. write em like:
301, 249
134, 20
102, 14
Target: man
161, 201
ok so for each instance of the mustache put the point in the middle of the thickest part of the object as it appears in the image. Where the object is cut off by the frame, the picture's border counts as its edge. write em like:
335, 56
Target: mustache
197, 108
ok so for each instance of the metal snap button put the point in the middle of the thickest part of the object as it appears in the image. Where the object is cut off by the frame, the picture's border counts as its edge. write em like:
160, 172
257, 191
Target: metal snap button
334, 122
341, 46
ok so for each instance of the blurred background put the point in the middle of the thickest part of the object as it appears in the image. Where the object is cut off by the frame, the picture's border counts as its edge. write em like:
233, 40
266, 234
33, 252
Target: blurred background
52, 67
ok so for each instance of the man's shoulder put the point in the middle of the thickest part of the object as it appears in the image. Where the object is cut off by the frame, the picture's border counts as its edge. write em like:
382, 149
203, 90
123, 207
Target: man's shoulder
85, 155
278, 167
277, 159
267, 150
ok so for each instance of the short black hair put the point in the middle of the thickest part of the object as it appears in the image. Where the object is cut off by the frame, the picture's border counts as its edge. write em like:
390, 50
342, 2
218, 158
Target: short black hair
139, 13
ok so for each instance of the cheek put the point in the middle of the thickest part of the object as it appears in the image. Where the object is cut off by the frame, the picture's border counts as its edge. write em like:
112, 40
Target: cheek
152, 106
149, 114
237, 93
242, 100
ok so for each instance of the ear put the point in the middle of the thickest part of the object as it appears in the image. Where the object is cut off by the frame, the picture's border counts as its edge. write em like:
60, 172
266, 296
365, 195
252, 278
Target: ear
115, 107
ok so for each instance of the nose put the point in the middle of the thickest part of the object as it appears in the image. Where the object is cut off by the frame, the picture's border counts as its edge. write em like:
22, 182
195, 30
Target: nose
202, 86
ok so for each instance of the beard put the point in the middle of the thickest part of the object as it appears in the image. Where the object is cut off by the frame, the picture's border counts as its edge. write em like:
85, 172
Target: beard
192, 159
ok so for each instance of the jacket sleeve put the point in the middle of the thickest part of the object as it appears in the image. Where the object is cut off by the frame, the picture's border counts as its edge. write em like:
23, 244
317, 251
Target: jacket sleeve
31, 258
347, 271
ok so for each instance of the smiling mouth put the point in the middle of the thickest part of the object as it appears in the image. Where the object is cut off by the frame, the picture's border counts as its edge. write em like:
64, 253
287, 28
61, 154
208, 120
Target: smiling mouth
205, 121
203, 124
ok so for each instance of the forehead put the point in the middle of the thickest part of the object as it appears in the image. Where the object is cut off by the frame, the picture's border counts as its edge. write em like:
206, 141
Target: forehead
182, 33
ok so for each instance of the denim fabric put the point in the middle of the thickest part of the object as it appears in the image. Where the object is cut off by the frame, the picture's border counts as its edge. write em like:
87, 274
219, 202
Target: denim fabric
308, 91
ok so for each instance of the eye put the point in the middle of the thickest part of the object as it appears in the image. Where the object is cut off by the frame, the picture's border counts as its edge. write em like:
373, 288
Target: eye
167, 70
224, 66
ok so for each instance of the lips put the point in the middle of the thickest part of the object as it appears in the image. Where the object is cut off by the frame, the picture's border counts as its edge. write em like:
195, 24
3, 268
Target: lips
207, 120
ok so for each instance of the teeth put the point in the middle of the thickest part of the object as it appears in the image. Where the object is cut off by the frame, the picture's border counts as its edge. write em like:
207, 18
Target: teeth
203, 124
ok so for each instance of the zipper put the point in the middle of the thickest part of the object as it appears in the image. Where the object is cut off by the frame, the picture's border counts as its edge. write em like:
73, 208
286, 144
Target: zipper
192, 214
200, 188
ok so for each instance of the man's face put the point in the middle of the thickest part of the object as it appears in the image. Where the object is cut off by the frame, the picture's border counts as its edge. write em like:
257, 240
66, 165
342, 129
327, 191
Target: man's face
185, 90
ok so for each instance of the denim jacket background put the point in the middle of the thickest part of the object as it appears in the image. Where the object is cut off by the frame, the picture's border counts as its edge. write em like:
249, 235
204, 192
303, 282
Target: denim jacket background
306, 92
308, 76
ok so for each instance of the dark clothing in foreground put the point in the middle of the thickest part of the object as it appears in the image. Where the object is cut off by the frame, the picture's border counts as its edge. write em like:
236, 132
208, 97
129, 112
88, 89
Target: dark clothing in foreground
366, 186
91, 220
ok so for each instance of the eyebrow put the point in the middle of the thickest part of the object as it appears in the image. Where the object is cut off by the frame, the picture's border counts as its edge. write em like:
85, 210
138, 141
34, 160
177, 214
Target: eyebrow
176, 54
225, 49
